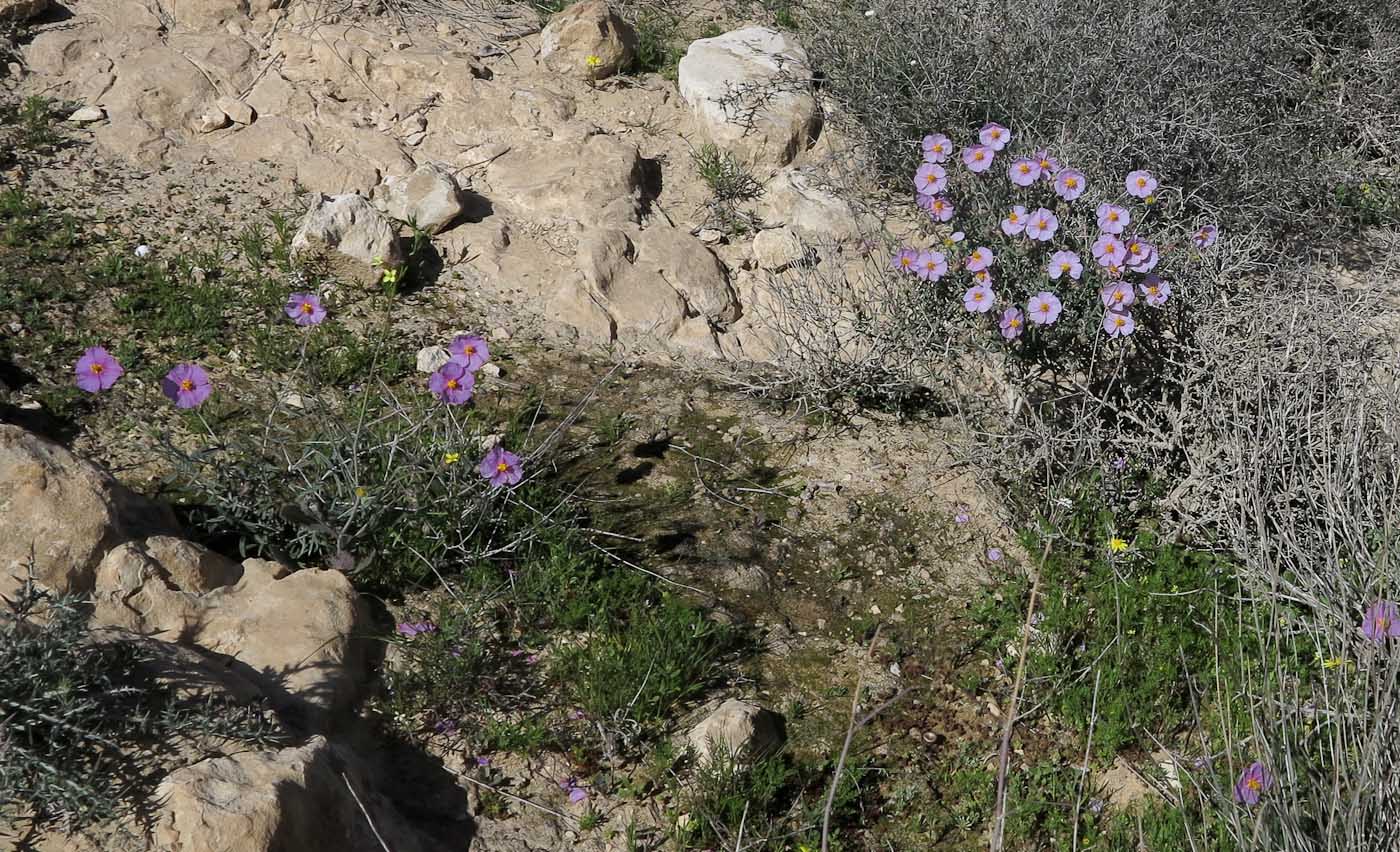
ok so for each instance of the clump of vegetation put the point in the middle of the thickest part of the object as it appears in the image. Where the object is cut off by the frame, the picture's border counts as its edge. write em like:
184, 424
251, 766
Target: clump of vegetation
731, 184
85, 728
1272, 108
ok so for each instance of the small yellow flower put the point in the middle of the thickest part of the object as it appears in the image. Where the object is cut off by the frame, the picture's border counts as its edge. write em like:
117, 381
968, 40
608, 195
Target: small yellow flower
451, 458
391, 276
1151, 199
593, 60
361, 492
1117, 545
1334, 662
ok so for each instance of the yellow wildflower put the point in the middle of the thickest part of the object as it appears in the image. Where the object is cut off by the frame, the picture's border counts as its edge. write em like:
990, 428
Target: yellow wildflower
451, 458
593, 60
361, 492
1117, 545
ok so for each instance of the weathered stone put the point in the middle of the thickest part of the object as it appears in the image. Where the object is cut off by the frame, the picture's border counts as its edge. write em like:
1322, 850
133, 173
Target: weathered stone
213, 119
599, 181
432, 357
692, 269
307, 799
295, 634
63, 514
740, 730
239, 111
750, 90
588, 40
795, 199
352, 238
87, 115
429, 198
777, 248
572, 304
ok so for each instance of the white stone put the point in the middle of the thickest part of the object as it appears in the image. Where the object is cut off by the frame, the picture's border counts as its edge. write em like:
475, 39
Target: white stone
429, 198
777, 248
750, 89
742, 730
87, 115
430, 358
351, 237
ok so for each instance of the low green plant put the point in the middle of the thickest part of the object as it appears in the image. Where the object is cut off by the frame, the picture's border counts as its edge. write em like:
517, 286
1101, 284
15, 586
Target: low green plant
731, 186
87, 728
726, 791
634, 673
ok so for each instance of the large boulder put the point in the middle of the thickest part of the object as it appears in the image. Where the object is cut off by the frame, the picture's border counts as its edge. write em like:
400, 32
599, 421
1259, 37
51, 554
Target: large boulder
691, 269
751, 92
597, 181
353, 239
62, 515
588, 40
297, 635
429, 198
314, 798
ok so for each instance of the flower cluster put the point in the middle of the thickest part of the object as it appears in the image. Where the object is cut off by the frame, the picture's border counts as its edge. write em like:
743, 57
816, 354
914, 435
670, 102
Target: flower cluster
1050, 226
188, 385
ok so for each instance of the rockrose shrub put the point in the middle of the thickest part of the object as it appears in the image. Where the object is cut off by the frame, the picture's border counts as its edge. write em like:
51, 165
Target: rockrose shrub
1265, 109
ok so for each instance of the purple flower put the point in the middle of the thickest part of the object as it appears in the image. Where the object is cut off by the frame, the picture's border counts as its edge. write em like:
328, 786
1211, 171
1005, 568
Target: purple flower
483, 761
1109, 250
1381, 622
1048, 164
1070, 183
1119, 463
445, 726
305, 309
453, 383
930, 179
1155, 290
576, 793
187, 385
937, 147
410, 629
96, 370
1065, 263
1140, 183
994, 554
983, 277
931, 265
940, 208
1141, 255
979, 299
1254, 781
905, 260
1118, 323
994, 136
1012, 323
470, 351
501, 466
980, 259
1112, 218
1043, 308
978, 158
1042, 225
1117, 295
1015, 221
1024, 171
1205, 237
962, 517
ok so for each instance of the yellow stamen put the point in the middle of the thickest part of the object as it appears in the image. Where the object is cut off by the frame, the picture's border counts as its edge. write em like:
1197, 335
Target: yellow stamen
502, 467
307, 308
96, 368
186, 384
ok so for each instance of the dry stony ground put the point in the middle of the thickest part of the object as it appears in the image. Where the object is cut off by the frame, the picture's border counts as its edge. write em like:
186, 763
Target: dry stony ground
813, 533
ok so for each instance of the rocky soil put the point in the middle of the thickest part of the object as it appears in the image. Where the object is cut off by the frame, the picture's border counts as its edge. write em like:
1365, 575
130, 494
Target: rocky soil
564, 209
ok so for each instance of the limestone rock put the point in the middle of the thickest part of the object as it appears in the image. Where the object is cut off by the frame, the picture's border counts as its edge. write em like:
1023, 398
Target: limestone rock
212, 119
64, 513
432, 357
691, 269
740, 729
278, 801
597, 181
778, 248
295, 634
87, 115
22, 10
588, 40
573, 305
794, 198
429, 197
239, 111
750, 90
349, 236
